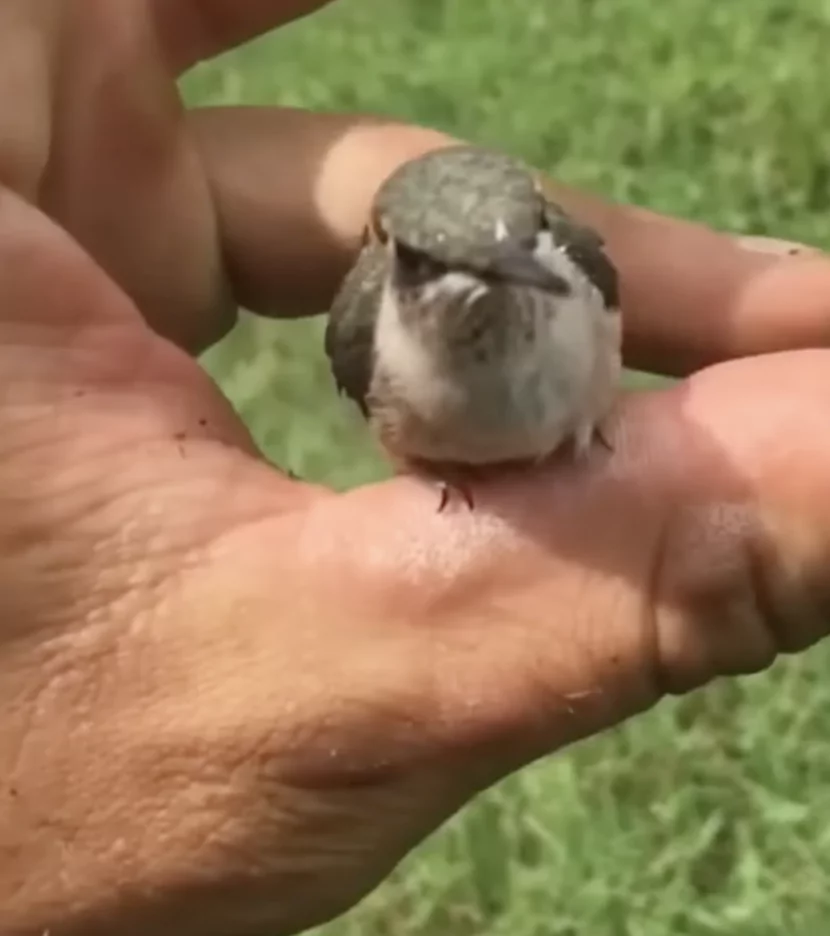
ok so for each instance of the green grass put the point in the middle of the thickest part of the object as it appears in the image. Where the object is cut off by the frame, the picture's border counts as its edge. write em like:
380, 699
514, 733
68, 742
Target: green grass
711, 814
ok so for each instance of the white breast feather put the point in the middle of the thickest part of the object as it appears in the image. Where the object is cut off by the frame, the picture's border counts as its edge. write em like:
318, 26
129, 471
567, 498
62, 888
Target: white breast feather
410, 366
568, 369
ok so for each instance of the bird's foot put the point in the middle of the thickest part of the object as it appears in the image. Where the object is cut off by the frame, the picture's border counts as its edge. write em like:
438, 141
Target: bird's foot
603, 439
447, 489
586, 435
450, 479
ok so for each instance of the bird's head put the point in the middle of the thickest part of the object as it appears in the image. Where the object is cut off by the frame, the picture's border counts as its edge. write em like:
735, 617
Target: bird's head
463, 223
427, 280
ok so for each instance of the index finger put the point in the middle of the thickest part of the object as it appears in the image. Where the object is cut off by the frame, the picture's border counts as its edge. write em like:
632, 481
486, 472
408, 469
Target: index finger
293, 191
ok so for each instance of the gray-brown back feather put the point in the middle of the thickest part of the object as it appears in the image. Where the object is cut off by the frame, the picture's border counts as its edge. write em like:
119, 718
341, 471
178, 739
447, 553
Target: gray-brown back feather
350, 330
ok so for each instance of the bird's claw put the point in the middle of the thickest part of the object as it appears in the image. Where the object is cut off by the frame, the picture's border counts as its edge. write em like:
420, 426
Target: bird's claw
603, 439
446, 490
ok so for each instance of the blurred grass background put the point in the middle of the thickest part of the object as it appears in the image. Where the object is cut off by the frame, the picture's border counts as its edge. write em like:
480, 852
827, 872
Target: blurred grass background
712, 813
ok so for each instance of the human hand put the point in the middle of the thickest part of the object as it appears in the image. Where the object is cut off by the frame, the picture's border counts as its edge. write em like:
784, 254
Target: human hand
224, 714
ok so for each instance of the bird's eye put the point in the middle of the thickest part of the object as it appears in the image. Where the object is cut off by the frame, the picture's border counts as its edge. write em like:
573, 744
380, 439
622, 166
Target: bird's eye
417, 266
528, 243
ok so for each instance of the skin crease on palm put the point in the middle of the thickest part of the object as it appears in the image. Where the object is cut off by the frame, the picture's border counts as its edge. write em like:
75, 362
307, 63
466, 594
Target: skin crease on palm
220, 717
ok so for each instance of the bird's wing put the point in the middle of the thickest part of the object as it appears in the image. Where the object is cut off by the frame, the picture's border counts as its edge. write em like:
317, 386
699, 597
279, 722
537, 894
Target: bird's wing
350, 330
586, 249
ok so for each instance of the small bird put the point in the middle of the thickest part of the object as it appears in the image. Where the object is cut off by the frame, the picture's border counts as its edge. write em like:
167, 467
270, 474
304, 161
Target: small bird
480, 324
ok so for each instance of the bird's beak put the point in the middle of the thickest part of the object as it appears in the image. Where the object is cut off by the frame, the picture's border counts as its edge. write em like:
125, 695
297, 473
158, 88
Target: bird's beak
515, 264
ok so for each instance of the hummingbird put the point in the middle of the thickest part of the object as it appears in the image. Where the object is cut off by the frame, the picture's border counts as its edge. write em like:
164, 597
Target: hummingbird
480, 323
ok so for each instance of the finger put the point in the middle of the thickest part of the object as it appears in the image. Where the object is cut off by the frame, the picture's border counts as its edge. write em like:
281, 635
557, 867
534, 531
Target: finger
693, 296
92, 372
192, 30
762, 422
293, 191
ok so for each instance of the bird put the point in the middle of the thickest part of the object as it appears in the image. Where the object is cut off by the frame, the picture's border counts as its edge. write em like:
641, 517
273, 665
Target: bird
480, 323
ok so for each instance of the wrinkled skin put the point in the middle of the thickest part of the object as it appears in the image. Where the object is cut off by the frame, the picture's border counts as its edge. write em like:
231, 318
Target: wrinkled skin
223, 716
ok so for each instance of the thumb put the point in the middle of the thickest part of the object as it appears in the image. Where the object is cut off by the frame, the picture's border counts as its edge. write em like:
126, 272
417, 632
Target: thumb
743, 567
